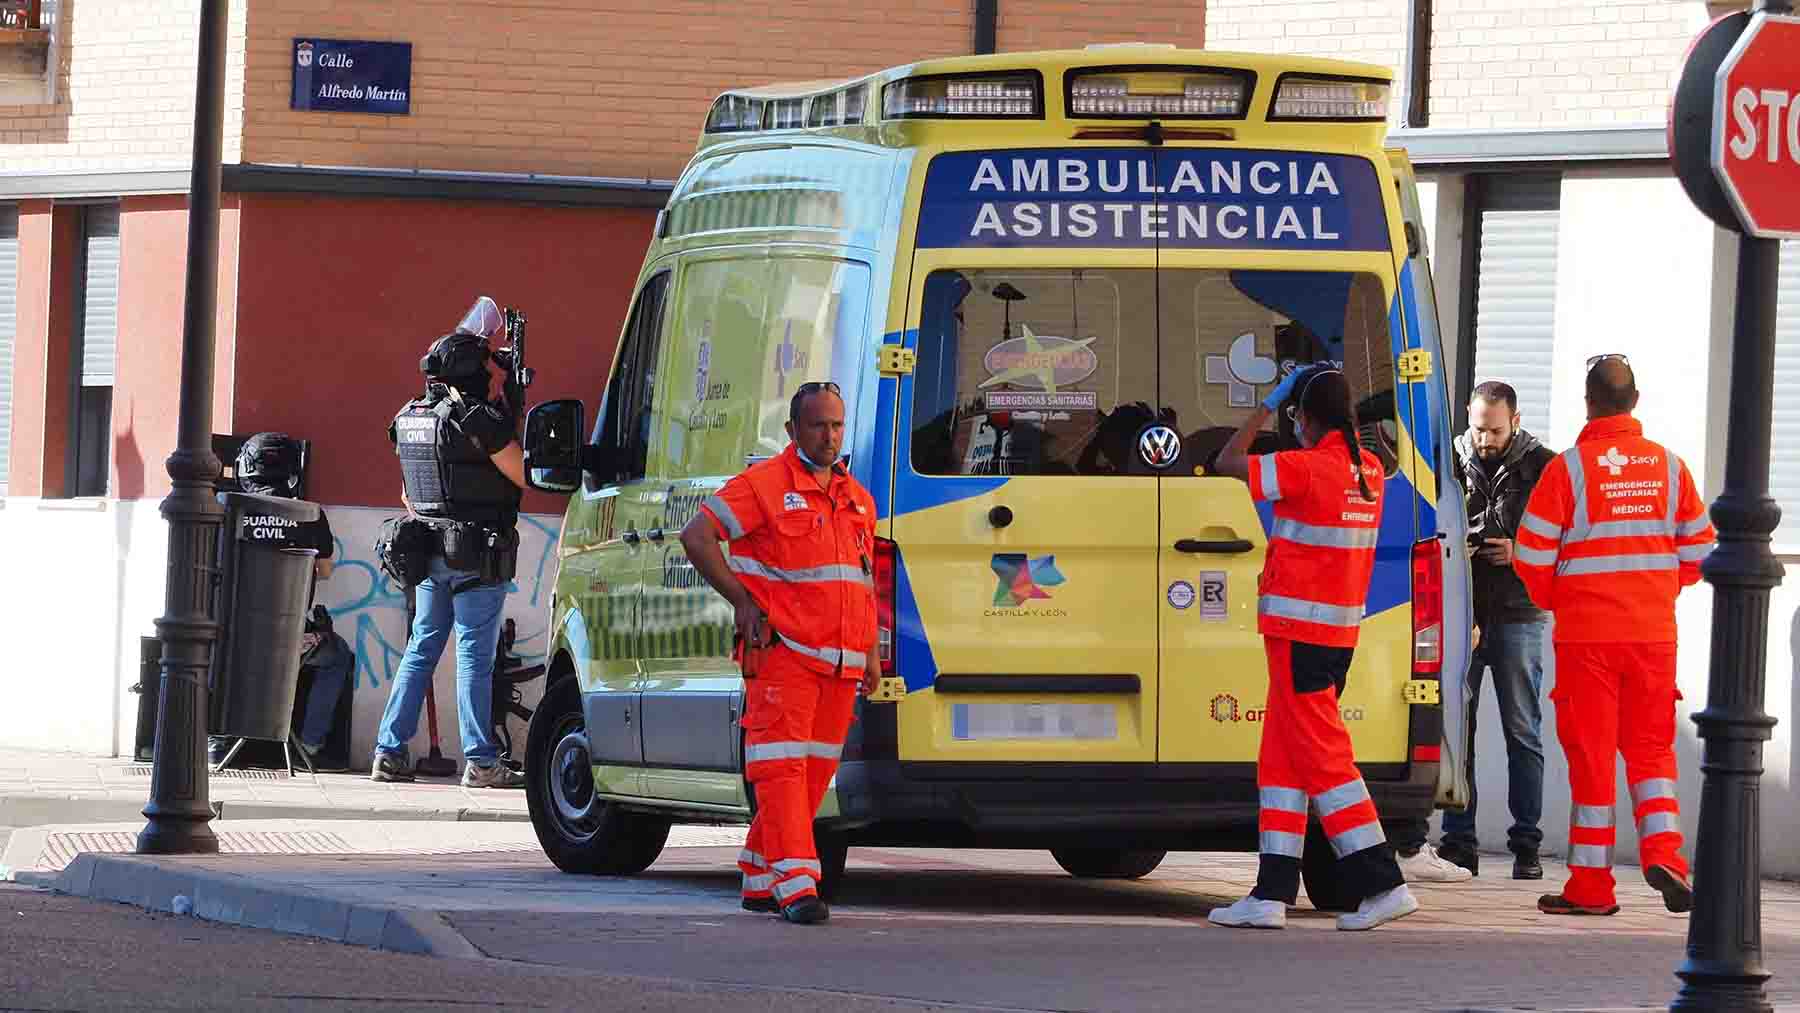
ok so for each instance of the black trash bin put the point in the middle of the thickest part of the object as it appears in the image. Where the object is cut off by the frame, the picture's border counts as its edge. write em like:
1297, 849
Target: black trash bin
265, 579
149, 691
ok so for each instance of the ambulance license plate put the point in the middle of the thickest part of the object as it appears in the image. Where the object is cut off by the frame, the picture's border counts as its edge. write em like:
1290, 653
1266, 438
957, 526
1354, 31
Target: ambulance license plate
987, 721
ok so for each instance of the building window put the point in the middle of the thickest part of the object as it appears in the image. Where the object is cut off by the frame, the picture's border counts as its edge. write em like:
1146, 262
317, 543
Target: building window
1784, 463
9, 328
1510, 311
28, 40
97, 339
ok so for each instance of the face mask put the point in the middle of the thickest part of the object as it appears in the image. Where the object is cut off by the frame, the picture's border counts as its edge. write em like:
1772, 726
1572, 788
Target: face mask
809, 462
1300, 435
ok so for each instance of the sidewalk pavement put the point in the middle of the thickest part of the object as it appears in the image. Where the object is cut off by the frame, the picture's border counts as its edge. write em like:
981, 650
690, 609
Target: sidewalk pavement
40, 788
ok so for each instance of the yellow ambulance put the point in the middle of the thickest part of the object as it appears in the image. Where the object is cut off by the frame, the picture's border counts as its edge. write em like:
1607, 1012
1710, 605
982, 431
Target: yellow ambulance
1050, 286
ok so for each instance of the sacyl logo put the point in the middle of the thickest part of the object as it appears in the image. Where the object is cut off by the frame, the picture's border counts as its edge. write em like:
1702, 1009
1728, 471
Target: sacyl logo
1615, 462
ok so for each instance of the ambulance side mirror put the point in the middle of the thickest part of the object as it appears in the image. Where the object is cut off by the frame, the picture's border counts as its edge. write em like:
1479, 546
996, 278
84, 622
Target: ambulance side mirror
553, 446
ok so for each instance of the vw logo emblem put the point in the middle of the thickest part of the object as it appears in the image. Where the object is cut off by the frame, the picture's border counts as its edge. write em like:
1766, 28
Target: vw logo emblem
1160, 446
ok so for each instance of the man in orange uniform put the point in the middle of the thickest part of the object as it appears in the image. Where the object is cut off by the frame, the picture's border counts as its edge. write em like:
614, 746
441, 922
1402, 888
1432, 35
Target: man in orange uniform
800, 578
1613, 532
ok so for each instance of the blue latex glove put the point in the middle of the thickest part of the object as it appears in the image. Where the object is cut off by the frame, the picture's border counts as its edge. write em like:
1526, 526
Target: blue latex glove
1283, 390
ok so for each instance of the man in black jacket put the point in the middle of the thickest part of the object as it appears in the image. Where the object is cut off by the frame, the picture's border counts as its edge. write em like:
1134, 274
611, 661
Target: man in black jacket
1499, 464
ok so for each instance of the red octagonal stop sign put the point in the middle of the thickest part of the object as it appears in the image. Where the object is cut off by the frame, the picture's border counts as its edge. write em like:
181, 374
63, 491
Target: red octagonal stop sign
1756, 126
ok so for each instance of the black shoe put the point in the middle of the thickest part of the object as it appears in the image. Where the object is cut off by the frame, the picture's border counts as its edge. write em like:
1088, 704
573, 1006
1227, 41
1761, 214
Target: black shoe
1458, 853
1557, 904
1527, 866
806, 911
761, 905
1677, 894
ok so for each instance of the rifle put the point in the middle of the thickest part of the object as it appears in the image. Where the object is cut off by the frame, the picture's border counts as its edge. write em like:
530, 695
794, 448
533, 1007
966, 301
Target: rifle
512, 358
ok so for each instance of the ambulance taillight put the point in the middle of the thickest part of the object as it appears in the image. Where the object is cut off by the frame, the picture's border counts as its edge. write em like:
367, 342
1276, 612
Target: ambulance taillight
1428, 607
884, 603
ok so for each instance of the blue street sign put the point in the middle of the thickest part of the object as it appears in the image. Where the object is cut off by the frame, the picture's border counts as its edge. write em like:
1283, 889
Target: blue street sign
348, 76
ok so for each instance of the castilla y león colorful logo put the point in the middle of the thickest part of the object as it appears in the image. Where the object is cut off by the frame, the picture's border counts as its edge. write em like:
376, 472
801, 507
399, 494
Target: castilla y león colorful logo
1022, 579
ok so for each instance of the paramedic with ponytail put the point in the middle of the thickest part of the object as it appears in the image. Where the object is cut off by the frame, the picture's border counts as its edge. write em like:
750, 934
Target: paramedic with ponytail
1327, 505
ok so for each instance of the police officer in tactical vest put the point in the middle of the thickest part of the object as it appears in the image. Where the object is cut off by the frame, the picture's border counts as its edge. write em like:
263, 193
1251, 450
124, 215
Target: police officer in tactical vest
462, 473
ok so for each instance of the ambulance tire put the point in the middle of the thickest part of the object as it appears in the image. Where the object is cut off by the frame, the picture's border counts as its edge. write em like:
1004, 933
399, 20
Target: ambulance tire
1107, 863
580, 834
833, 850
1318, 871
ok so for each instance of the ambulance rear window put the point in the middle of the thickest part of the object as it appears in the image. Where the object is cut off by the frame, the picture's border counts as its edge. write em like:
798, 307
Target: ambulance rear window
1057, 371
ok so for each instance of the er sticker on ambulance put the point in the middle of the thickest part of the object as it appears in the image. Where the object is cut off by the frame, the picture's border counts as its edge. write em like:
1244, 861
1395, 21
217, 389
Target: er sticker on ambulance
1185, 199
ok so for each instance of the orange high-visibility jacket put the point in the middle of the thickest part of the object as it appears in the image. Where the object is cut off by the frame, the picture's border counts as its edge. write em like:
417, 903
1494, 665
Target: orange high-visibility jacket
1315, 579
807, 557
1613, 532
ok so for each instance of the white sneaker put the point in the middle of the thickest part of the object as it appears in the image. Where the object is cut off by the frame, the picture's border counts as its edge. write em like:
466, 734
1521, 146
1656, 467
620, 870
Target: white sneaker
1251, 913
1379, 910
1427, 866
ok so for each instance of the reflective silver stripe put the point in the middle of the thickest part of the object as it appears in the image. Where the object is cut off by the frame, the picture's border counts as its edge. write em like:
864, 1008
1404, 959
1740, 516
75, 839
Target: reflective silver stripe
752, 859
1578, 518
829, 655
787, 865
1280, 842
1659, 823
1534, 557
1304, 611
1693, 553
789, 888
760, 883
1357, 839
806, 575
1342, 797
1324, 535
1291, 800
775, 751
823, 750
1271, 482
1539, 526
1590, 856
1625, 529
1592, 817
1632, 563
1652, 787
717, 507
1688, 529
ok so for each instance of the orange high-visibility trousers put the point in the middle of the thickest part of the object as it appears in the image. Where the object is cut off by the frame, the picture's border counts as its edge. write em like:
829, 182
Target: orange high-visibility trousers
1306, 757
794, 722
1612, 699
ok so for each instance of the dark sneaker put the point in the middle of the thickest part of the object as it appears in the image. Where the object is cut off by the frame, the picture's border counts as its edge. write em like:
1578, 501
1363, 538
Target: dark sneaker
761, 905
806, 911
1677, 894
1458, 853
1557, 904
390, 767
315, 756
1527, 866
497, 776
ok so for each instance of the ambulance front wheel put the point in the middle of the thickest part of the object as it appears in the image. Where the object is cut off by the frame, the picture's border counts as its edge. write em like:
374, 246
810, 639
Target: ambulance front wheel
579, 831
1107, 863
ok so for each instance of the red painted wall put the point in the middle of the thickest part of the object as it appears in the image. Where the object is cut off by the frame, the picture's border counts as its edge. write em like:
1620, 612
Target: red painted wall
339, 297
49, 247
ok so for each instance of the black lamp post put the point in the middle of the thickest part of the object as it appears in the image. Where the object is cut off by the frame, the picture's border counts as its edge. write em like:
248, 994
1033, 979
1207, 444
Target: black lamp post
179, 808
1723, 970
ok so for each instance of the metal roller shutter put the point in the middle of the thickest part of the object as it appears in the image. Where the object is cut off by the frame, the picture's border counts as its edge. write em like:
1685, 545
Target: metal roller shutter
1784, 463
9, 329
100, 297
1515, 288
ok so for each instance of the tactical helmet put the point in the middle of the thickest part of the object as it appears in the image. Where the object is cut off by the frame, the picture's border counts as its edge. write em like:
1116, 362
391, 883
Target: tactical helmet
457, 354
269, 464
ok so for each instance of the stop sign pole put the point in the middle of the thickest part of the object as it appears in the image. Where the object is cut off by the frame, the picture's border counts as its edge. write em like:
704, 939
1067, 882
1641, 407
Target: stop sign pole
1734, 141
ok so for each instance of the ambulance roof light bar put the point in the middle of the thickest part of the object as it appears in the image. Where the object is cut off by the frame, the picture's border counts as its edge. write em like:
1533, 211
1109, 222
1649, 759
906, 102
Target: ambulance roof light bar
1015, 95
1326, 97
1161, 92
733, 114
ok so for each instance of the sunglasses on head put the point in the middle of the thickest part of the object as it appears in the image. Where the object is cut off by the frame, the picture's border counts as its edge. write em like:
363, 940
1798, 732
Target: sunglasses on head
814, 386
1595, 360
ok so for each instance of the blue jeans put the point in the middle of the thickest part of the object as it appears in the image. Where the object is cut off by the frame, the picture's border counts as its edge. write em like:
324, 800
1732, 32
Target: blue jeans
331, 669
1514, 651
473, 614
